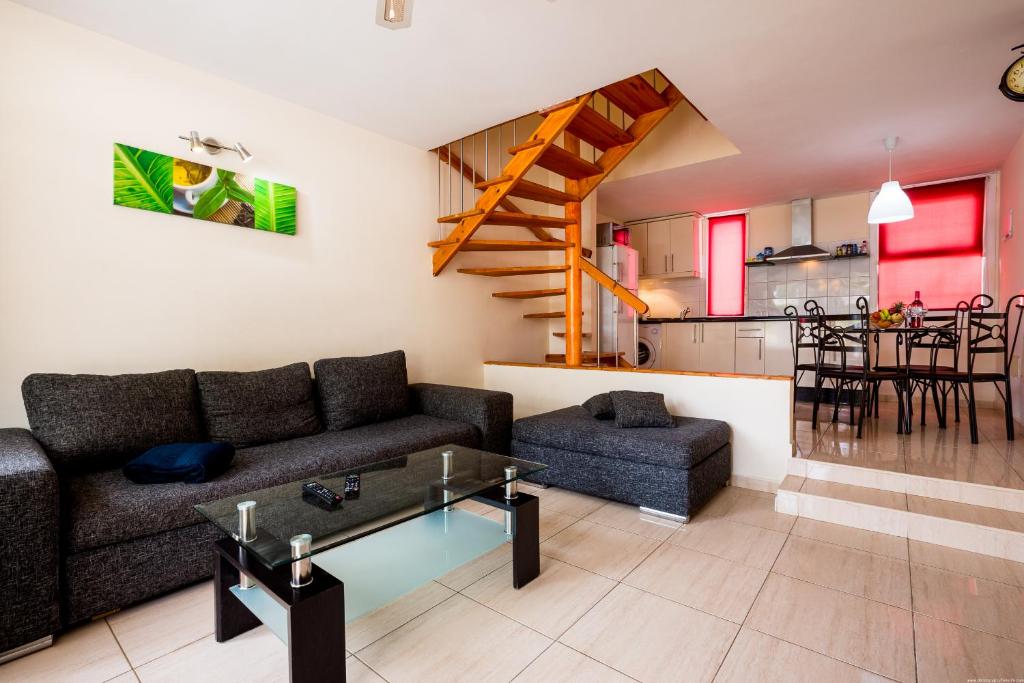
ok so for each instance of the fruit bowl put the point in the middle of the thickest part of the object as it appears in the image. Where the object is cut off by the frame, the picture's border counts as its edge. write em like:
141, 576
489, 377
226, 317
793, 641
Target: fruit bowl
885, 318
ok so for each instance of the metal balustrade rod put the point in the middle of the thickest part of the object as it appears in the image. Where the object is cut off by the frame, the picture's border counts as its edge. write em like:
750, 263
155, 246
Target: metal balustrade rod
474, 165
500, 148
448, 213
462, 174
515, 138
440, 227
487, 154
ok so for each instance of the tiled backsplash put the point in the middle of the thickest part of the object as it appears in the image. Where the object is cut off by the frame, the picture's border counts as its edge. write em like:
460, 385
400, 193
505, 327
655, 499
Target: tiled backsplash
833, 283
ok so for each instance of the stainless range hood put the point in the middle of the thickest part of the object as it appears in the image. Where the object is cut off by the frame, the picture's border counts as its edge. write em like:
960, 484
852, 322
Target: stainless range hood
802, 249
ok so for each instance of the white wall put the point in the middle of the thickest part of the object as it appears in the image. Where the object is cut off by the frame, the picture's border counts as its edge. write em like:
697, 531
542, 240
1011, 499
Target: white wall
759, 410
86, 286
1011, 251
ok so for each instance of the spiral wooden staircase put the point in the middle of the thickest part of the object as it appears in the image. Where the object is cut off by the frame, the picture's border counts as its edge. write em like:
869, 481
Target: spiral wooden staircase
639, 103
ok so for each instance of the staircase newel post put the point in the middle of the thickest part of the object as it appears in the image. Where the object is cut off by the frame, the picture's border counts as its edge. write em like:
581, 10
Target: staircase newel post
574, 275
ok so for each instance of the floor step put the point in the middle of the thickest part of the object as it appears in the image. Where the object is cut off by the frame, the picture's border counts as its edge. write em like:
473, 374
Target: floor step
567, 164
507, 245
530, 294
514, 270
975, 528
525, 220
634, 95
541, 193
597, 130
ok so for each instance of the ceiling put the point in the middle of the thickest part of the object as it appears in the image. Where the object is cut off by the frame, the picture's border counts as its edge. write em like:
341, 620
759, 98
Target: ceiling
806, 89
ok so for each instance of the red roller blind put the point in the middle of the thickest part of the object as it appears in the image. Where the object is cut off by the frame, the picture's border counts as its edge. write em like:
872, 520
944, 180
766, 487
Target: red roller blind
939, 251
727, 248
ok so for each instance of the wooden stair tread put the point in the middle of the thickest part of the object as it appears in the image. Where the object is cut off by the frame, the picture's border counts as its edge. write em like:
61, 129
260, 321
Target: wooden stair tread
484, 184
456, 217
514, 270
507, 245
634, 95
525, 220
523, 146
567, 164
561, 335
587, 355
546, 314
529, 293
527, 189
597, 130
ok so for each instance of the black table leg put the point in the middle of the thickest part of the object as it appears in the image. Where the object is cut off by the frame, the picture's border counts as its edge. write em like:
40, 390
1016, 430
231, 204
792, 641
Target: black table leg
525, 511
316, 613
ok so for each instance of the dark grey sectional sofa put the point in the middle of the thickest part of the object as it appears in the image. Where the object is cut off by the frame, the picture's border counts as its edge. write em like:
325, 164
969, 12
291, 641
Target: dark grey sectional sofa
672, 470
77, 539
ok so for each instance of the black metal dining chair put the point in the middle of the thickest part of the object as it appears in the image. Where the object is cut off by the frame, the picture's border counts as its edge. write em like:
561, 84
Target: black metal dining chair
940, 341
803, 338
990, 334
857, 377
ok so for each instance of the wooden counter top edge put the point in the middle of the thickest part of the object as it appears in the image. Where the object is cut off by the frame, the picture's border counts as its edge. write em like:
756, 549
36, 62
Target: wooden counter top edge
691, 373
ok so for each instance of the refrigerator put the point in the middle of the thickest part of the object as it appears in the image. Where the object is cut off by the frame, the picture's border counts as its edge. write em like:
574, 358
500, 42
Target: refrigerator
617, 322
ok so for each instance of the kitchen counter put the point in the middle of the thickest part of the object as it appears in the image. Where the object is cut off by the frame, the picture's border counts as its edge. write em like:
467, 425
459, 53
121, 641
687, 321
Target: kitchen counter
721, 319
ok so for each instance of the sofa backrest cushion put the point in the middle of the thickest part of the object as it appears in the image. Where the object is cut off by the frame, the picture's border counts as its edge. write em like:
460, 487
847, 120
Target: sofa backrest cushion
91, 422
252, 408
362, 390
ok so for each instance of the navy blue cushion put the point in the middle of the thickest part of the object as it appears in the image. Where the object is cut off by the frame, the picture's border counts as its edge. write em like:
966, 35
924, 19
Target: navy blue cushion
188, 462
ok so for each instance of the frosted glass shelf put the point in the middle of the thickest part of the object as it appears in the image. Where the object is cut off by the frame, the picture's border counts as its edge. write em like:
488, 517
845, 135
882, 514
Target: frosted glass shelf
382, 567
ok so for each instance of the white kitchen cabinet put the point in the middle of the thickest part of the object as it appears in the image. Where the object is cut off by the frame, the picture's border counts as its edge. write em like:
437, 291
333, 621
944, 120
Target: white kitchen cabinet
668, 248
718, 347
638, 241
680, 346
750, 355
684, 239
778, 349
659, 247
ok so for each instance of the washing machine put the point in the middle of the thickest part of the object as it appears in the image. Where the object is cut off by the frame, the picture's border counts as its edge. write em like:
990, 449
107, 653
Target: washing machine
648, 346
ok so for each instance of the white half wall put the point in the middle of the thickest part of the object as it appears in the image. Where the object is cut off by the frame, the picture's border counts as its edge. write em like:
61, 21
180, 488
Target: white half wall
89, 287
758, 409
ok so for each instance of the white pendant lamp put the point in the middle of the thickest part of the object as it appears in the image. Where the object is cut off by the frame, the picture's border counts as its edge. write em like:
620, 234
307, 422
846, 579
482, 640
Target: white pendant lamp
891, 204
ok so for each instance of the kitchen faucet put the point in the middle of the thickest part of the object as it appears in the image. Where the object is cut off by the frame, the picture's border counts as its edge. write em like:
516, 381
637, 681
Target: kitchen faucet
684, 312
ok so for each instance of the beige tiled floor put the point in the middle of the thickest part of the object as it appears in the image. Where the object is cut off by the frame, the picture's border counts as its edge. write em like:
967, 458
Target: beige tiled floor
739, 594
927, 451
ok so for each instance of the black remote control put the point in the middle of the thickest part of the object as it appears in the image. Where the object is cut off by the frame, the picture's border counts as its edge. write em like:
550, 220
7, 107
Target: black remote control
352, 486
316, 493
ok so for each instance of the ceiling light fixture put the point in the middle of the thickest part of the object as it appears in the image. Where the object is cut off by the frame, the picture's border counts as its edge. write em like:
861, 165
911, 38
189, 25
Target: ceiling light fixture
891, 204
211, 146
394, 13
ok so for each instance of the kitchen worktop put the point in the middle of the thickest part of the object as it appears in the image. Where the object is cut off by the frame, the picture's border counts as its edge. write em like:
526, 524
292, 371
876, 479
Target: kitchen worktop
728, 319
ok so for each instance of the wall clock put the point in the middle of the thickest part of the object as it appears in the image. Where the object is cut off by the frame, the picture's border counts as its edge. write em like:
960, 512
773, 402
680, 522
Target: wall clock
1012, 83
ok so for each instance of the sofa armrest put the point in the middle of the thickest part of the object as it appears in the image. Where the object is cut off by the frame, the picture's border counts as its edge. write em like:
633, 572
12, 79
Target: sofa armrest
29, 514
488, 411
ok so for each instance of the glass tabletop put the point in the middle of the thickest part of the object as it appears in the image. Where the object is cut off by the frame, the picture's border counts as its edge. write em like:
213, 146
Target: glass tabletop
390, 492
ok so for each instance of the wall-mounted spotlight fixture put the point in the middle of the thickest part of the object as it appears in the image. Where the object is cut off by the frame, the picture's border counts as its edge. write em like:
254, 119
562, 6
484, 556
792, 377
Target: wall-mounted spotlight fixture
394, 13
212, 146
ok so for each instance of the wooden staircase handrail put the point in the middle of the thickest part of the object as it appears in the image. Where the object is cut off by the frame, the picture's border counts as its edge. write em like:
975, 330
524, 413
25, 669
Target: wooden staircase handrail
606, 281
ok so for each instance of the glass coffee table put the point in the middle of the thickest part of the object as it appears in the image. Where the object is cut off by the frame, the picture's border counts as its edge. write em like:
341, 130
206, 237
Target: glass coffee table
288, 559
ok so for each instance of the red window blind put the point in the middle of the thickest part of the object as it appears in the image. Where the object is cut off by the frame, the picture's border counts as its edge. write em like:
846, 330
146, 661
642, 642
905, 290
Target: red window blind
727, 248
939, 251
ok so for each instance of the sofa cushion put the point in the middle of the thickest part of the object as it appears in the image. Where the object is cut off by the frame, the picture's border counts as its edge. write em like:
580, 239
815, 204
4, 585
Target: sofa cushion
362, 390
104, 507
640, 409
600, 406
252, 408
97, 421
688, 443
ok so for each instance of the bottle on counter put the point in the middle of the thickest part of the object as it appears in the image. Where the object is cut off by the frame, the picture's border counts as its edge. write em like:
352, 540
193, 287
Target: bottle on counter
864, 248
916, 311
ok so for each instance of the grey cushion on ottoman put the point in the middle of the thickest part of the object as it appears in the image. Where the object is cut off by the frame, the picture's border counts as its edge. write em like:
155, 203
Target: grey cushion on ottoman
600, 406
252, 408
99, 421
363, 390
639, 409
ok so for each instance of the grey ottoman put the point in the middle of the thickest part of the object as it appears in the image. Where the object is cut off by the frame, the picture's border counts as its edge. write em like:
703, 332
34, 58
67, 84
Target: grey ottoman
671, 470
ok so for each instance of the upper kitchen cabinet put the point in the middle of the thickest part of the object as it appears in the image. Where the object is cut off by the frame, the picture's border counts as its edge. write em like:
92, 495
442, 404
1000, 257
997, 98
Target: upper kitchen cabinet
669, 247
